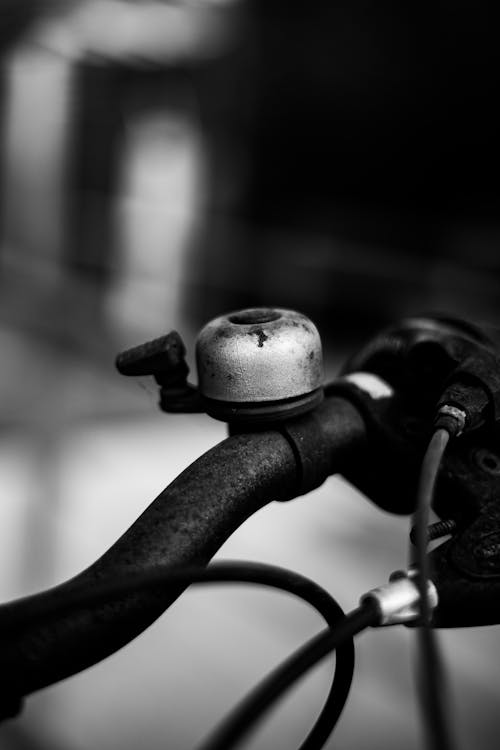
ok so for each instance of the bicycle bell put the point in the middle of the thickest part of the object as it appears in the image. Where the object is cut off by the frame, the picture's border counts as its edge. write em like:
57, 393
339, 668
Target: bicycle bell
259, 365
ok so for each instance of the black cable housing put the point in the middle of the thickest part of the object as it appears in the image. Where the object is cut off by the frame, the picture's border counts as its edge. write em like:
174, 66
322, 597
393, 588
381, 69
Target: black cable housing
41, 608
432, 686
244, 717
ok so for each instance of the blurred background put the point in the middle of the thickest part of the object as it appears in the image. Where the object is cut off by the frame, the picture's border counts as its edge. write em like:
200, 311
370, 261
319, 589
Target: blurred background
162, 163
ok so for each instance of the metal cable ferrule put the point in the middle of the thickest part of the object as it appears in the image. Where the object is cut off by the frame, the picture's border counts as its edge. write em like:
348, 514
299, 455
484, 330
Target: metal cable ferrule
398, 601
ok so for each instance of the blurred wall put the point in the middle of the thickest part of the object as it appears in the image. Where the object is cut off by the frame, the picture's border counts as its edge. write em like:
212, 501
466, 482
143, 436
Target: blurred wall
371, 189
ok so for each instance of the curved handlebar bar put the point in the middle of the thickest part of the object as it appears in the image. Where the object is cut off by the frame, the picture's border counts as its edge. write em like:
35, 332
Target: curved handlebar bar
184, 526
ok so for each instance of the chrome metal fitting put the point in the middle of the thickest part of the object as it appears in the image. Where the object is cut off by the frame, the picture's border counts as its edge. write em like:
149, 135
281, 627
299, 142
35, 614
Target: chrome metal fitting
454, 416
398, 601
259, 364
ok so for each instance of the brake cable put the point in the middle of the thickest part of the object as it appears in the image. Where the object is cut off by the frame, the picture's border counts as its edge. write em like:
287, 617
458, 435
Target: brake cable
259, 701
432, 687
35, 608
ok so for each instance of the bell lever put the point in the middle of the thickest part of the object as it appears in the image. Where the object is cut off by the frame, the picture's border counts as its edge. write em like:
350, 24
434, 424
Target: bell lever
165, 359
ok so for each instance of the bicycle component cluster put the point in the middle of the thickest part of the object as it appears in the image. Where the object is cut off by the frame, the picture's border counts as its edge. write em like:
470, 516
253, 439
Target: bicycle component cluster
261, 368
255, 366
263, 365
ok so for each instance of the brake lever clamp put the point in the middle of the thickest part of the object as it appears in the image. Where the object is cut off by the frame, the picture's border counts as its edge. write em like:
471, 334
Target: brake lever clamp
399, 381
396, 381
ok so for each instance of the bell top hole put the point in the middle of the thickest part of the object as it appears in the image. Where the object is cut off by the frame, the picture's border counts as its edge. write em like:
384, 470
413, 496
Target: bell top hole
252, 317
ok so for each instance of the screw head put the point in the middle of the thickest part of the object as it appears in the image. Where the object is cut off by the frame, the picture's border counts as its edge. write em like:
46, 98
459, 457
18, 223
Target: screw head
487, 461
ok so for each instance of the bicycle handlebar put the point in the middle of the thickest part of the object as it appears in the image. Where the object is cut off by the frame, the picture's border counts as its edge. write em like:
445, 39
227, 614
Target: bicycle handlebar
184, 526
371, 427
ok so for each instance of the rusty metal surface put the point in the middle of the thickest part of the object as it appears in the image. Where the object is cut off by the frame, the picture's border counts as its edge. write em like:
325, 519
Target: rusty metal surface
258, 355
185, 525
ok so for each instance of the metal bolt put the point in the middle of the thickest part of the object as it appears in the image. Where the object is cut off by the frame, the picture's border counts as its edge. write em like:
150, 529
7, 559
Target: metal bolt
487, 461
435, 530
